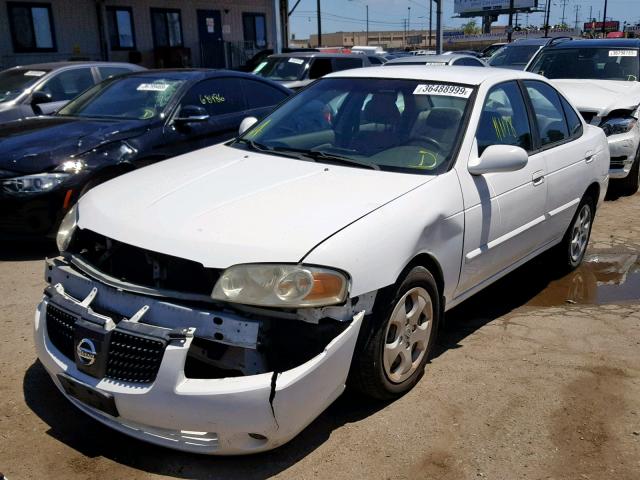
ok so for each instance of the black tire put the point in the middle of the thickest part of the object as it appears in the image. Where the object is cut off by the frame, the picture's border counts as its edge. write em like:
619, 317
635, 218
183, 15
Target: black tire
368, 372
629, 184
567, 258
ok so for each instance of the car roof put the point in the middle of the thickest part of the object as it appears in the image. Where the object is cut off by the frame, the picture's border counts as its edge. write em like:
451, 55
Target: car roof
422, 59
318, 54
539, 41
604, 42
464, 75
57, 65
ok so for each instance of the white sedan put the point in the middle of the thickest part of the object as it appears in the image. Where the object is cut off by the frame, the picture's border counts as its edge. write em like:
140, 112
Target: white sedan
218, 302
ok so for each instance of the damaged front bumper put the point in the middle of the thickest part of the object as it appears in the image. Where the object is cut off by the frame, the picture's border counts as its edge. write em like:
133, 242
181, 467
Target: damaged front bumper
624, 148
227, 415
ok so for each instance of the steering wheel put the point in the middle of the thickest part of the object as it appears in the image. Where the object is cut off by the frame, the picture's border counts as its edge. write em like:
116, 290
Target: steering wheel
420, 142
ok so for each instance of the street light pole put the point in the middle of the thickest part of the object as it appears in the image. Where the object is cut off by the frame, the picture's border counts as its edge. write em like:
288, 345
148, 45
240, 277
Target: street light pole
367, 43
510, 28
604, 20
430, 16
439, 27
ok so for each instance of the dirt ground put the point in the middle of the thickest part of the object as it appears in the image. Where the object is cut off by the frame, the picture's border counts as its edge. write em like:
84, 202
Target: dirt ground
536, 378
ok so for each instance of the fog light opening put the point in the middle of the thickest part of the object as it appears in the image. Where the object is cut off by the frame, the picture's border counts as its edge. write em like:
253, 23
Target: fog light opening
257, 436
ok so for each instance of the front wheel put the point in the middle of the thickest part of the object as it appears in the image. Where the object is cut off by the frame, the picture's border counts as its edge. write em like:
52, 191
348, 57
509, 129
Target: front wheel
400, 338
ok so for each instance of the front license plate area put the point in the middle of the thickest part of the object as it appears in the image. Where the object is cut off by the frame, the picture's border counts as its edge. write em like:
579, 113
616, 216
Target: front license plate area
88, 395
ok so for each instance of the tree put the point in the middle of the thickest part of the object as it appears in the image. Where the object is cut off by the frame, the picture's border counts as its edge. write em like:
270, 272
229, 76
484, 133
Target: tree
470, 28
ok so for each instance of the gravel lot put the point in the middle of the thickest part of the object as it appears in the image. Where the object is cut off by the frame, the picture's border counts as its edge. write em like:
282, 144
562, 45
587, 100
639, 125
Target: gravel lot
536, 378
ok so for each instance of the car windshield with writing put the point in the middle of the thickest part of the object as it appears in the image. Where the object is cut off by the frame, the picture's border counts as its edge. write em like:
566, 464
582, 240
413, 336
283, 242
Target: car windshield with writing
16, 80
388, 124
589, 63
282, 68
134, 98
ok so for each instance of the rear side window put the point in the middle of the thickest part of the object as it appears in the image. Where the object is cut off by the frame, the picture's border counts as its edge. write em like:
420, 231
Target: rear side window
346, 63
504, 119
573, 121
552, 125
108, 72
68, 84
218, 96
260, 95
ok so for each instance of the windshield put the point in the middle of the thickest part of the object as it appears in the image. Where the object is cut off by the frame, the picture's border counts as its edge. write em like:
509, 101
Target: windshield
282, 68
389, 124
513, 56
139, 98
14, 81
591, 63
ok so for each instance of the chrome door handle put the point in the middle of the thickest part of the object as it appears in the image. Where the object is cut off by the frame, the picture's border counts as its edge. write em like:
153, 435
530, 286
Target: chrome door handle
588, 157
538, 178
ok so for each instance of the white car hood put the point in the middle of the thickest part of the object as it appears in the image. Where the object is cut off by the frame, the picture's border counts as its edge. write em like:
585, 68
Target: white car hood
602, 96
221, 206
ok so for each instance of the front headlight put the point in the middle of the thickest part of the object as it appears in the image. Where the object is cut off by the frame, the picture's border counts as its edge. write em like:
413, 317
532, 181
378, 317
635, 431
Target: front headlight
290, 286
38, 183
67, 228
615, 126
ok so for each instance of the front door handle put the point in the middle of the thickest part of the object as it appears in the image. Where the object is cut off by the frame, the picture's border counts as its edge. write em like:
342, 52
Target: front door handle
538, 178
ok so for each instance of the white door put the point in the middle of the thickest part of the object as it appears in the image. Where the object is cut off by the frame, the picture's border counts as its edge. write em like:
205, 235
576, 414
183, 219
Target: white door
504, 212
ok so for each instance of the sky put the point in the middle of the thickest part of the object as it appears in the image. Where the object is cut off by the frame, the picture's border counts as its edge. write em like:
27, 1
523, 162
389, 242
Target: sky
349, 15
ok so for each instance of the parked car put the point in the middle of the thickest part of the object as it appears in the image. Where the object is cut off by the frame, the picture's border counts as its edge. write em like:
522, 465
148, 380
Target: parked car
488, 52
251, 64
219, 301
48, 162
297, 70
517, 55
602, 78
43, 88
438, 61
378, 59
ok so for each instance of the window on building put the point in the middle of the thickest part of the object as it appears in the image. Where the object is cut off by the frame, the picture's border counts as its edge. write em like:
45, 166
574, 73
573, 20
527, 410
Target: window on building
255, 29
120, 24
31, 27
167, 27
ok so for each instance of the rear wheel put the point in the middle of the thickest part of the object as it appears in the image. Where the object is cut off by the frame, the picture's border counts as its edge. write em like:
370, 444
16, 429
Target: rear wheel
400, 337
573, 248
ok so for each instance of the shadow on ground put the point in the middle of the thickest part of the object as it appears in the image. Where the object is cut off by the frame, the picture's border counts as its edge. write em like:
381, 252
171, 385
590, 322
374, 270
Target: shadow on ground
14, 251
92, 439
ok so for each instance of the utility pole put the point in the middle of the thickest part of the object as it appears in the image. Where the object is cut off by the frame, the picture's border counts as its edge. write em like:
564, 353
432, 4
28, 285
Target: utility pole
408, 19
547, 18
430, 16
564, 6
604, 20
510, 28
577, 9
319, 27
439, 27
367, 42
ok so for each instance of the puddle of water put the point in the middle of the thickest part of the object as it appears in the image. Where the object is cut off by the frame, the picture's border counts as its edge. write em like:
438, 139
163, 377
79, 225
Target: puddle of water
600, 280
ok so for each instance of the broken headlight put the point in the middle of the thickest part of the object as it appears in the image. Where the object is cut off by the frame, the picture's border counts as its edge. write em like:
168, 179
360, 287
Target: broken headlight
67, 228
618, 125
273, 285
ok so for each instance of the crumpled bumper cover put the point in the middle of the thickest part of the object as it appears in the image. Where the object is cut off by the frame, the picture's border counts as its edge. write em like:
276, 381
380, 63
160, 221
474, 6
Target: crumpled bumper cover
211, 416
623, 148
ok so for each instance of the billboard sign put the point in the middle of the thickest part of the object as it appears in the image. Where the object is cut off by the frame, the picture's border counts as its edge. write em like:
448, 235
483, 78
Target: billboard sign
486, 6
597, 26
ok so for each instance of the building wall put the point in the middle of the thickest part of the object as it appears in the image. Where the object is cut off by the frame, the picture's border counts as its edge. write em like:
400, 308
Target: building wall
76, 28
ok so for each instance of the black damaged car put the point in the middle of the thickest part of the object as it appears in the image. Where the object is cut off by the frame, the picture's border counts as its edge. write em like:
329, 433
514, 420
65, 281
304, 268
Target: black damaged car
127, 122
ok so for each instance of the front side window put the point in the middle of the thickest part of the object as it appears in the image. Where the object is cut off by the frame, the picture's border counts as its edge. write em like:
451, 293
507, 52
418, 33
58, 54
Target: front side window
552, 125
255, 29
391, 124
504, 119
14, 81
320, 67
31, 27
167, 27
141, 98
120, 24
68, 84
592, 63
218, 96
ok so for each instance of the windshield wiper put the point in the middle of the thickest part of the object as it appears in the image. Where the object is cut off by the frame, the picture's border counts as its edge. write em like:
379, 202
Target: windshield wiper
330, 157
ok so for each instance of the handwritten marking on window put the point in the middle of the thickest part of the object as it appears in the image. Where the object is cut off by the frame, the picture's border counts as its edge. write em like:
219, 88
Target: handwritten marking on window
211, 99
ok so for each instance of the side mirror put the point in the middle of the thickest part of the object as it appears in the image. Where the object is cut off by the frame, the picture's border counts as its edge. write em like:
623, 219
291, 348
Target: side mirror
246, 124
499, 158
40, 97
192, 114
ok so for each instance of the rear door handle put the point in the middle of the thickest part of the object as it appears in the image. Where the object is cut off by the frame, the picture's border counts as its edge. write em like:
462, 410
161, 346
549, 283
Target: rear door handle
538, 178
588, 157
